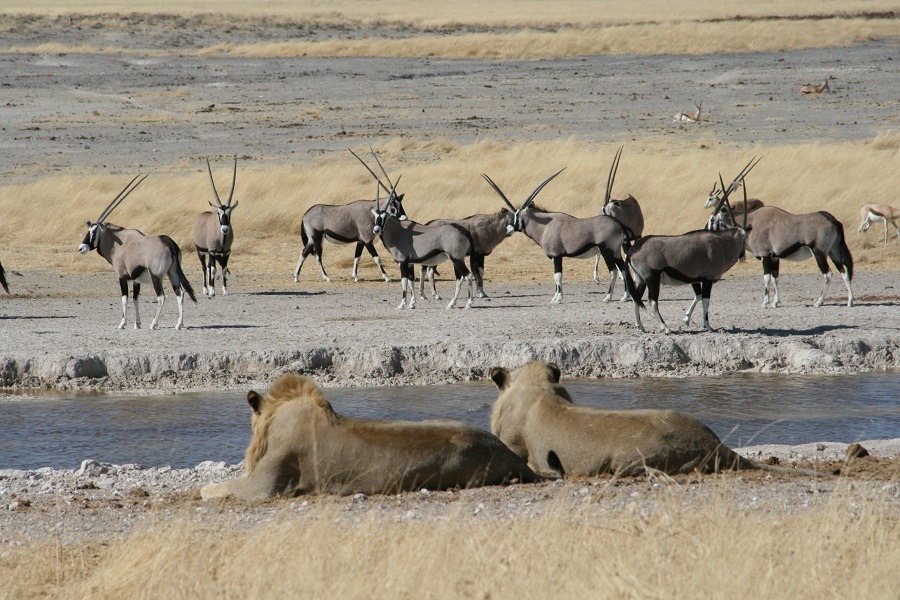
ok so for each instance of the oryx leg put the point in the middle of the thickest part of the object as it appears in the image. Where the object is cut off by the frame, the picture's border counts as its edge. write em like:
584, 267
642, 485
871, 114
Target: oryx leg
477, 262
690, 310
639, 285
307, 250
212, 276
597, 270
223, 262
160, 298
705, 293
357, 253
203, 255
826, 275
123, 286
461, 272
768, 266
835, 256
406, 273
557, 279
371, 248
135, 292
653, 284
317, 245
610, 260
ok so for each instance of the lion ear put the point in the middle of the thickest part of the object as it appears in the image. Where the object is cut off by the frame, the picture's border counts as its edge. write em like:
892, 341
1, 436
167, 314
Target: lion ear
554, 372
254, 400
500, 377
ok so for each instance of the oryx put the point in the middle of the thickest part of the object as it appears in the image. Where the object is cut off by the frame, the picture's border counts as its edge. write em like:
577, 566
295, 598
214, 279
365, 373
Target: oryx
563, 236
873, 213
214, 234
779, 235
344, 224
412, 243
487, 231
139, 259
689, 117
626, 211
699, 258
3, 279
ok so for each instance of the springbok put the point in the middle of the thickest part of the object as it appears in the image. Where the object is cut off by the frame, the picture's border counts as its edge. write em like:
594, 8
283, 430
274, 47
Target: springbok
812, 88
3, 279
487, 231
873, 213
699, 258
139, 259
626, 211
344, 224
561, 235
213, 236
693, 117
412, 243
779, 235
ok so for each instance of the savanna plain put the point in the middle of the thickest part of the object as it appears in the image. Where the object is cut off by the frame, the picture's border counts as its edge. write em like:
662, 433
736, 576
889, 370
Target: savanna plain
95, 92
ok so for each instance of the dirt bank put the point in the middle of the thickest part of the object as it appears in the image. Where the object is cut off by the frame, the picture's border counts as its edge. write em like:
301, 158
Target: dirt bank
64, 335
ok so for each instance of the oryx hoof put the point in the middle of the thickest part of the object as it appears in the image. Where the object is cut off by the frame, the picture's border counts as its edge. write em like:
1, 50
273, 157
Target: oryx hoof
641, 329
607, 298
224, 292
686, 321
121, 325
355, 279
710, 329
481, 294
212, 292
296, 279
402, 305
776, 304
468, 304
180, 325
327, 279
436, 297
556, 300
849, 302
152, 326
387, 279
667, 331
819, 303
765, 303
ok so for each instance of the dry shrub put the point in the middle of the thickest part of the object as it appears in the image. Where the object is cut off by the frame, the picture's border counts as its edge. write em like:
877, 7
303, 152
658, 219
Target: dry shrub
672, 549
443, 179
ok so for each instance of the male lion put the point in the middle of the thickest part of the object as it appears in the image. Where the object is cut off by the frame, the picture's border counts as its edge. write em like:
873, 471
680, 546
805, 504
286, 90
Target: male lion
301, 445
536, 418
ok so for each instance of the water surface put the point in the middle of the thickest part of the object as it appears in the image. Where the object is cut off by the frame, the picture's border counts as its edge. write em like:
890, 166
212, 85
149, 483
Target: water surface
184, 430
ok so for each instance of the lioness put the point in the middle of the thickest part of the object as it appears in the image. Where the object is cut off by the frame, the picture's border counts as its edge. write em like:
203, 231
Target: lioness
536, 418
301, 445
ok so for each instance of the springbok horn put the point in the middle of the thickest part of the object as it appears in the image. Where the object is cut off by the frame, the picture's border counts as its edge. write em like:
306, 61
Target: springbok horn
370, 171
122, 195
106, 210
612, 175
212, 182
233, 180
380, 166
502, 195
539, 188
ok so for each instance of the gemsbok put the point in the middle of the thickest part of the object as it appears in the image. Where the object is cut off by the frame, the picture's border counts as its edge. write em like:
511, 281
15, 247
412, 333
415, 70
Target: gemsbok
561, 235
873, 213
626, 211
812, 88
214, 234
699, 258
779, 235
487, 231
693, 117
412, 243
349, 223
139, 259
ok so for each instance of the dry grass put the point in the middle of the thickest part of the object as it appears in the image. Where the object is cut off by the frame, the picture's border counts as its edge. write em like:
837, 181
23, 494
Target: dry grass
846, 549
442, 179
643, 38
502, 29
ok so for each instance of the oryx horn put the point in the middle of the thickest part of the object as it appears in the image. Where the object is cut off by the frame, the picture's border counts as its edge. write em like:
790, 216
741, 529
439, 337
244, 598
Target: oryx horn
212, 182
386, 176
539, 188
121, 196
499, 191
370, 171
612, 175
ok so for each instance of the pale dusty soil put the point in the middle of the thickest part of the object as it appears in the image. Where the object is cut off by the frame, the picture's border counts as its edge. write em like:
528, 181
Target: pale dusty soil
100, 501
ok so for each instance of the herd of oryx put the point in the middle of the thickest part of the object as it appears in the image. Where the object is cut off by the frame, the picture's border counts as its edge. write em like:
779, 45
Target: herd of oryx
616, 234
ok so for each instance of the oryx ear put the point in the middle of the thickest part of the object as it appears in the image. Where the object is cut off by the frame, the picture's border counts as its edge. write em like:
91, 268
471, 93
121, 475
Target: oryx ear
399, 198
88, 223
749, 227
554, 372
374, 213
211, 204
234, 206
254, 400
500, 377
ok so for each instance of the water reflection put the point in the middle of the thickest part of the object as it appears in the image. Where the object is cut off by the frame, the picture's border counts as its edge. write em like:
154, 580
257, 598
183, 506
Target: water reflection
186, 429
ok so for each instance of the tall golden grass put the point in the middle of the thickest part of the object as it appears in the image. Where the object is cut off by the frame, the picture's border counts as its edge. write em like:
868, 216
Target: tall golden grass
504, 29
670, 548
44, 219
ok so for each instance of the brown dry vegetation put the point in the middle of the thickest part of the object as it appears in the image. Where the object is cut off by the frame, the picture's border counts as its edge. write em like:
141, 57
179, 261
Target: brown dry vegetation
442, 179
504, 29
847, 548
